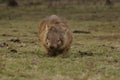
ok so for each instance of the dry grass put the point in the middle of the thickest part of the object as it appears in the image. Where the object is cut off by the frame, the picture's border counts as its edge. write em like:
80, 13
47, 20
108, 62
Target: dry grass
93, 56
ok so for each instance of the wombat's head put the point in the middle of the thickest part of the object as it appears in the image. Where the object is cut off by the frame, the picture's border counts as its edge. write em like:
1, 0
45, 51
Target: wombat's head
55, 38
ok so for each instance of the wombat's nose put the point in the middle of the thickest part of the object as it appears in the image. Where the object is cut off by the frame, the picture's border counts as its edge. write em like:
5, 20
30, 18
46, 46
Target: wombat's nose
51, 47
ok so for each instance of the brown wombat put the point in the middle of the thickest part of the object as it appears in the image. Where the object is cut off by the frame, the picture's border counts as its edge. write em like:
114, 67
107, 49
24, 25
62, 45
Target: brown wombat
55, 35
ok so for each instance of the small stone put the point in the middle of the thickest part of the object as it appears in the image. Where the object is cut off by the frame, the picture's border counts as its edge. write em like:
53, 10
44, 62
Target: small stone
3, 44
13, 50
15, 39
22, 45
112, 47
6, 35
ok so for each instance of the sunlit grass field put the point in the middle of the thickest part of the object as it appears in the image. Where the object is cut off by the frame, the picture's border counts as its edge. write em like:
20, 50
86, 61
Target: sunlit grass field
93, 56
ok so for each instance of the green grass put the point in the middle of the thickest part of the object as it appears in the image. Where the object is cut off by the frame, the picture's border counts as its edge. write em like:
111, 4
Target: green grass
94, 56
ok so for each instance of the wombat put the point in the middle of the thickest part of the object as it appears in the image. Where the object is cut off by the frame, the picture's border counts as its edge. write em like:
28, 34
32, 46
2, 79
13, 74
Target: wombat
55, 35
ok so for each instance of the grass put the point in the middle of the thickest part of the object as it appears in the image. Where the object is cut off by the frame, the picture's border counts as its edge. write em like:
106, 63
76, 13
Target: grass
94, 56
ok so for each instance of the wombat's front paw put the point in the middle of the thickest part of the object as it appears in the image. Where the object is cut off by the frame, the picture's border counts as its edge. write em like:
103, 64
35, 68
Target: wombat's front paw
51, 54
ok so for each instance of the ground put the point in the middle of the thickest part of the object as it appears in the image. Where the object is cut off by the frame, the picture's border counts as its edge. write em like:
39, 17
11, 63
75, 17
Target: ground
93, 56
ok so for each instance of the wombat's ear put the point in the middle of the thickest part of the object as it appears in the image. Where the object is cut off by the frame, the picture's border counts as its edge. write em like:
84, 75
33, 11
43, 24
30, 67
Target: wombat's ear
46, 27
64, 26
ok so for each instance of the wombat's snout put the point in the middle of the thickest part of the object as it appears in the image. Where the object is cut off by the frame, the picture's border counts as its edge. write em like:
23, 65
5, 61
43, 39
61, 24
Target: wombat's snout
52, 47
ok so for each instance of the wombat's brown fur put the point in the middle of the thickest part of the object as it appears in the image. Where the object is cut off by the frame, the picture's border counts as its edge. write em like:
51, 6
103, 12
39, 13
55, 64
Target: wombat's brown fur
55, 35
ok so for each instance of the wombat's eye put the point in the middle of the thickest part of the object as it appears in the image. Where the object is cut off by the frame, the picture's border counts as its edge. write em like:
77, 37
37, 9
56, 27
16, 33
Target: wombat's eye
59, 41
47, 40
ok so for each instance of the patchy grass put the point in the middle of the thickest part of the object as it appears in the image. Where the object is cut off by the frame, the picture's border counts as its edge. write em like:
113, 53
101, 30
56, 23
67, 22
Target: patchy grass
93, 56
